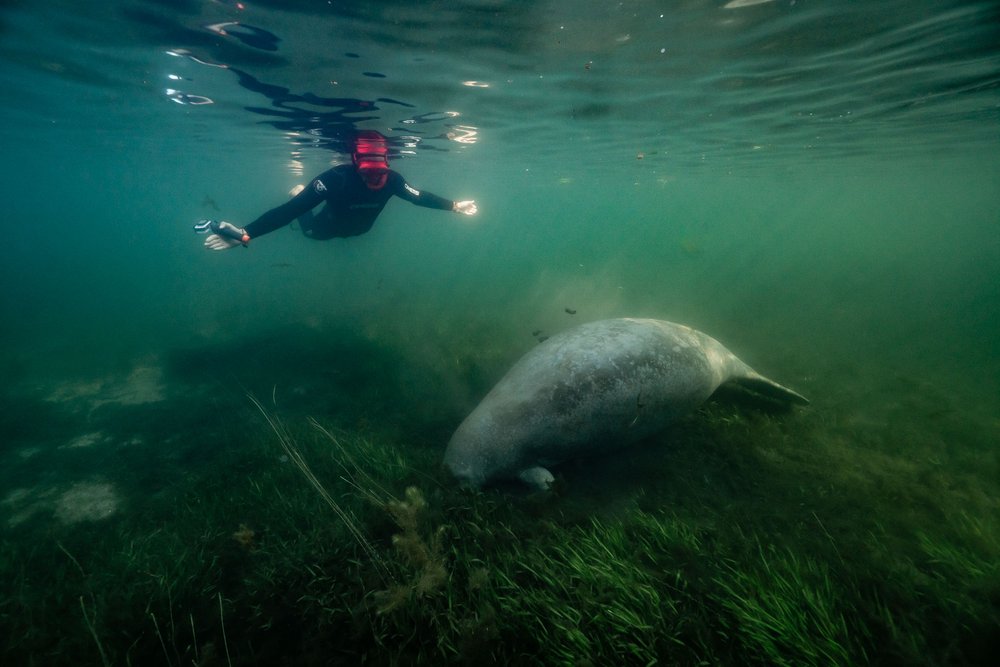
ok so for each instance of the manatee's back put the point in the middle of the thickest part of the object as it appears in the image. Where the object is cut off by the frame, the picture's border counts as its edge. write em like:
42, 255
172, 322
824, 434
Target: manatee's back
590, 388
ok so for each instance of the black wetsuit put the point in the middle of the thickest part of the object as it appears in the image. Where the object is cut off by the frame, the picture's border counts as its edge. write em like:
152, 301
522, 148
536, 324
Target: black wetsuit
351, 207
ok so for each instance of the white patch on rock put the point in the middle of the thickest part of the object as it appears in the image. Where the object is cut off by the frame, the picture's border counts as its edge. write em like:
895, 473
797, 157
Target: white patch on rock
87, 501
142, 385
85, 440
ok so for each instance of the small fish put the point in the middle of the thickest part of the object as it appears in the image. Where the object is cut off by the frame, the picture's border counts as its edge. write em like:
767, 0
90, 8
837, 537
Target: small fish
281, 265
542, 339
208, 202
691, 247
570, 311
536, 332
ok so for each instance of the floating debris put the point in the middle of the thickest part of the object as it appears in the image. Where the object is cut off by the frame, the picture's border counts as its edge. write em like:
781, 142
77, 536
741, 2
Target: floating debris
691, 247
244, 536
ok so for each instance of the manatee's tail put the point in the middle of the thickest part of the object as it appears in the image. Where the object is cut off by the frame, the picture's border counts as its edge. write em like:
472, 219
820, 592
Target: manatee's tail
737, 372
758, 384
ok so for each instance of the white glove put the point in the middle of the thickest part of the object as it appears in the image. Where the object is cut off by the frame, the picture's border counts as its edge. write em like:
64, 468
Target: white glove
228, 236
467, 207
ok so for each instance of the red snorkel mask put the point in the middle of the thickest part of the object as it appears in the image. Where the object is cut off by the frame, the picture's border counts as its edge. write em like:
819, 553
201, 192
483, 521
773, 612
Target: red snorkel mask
371, 159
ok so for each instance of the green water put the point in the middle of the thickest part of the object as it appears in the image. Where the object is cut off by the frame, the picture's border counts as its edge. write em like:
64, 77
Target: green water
812, 184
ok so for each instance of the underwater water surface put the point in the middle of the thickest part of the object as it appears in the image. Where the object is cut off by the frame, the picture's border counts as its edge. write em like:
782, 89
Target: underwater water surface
234, 457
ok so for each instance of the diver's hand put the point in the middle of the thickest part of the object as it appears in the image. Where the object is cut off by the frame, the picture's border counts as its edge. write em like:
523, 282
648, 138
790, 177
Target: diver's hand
467, 207
226, 236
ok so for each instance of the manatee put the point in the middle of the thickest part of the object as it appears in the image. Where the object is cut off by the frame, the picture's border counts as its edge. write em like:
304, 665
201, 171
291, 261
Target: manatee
592, 389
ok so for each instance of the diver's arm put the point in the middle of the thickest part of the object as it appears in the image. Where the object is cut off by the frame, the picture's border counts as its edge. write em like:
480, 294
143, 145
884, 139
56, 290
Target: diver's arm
405, 191
279, 216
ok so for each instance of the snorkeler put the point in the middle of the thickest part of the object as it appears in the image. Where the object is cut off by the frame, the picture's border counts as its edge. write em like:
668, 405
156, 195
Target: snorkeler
354, 193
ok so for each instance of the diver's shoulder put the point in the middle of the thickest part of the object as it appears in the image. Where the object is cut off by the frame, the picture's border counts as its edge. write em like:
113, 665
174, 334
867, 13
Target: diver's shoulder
396, 179
335, 176
338, 170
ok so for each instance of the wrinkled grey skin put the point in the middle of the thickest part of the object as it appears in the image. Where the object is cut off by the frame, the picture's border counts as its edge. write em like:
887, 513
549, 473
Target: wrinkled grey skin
594, 388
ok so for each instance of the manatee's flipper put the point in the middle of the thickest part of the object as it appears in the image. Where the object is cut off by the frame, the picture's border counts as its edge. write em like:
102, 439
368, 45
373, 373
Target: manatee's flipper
759, 384
538, 478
